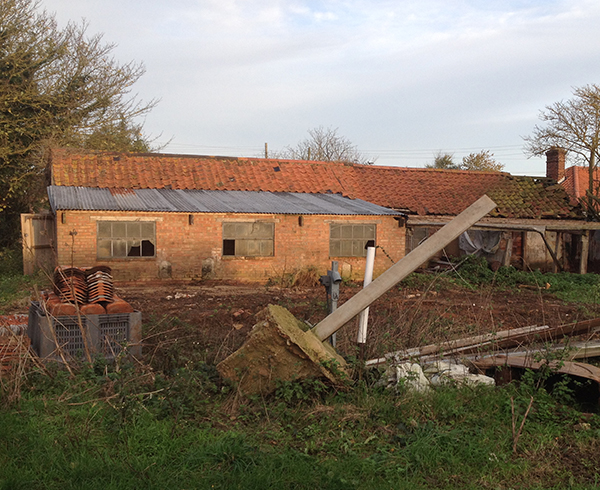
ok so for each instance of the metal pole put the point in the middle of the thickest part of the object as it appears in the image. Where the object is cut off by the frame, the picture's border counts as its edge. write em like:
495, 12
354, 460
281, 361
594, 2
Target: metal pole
335, 296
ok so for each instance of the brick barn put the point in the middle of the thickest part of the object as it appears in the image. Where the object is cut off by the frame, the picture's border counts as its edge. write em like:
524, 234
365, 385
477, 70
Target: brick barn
147, 221
157, 216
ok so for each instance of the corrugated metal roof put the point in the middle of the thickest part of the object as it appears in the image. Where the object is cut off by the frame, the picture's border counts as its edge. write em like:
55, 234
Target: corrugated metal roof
195, 201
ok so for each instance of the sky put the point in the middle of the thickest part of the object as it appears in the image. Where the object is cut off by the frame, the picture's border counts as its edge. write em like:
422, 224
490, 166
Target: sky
401, 79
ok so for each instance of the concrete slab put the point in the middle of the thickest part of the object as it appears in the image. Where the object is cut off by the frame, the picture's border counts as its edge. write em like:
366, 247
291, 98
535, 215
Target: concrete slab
281, 348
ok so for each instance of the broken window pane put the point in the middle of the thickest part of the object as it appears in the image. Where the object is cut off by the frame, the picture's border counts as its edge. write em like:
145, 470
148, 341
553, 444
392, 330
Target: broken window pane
147, 248
228, 247
134, 248
251, 239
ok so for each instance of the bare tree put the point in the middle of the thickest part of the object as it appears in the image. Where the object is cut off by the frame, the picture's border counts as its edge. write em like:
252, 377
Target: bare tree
326, 145
574, 125
57, 87
443, 161
482, 161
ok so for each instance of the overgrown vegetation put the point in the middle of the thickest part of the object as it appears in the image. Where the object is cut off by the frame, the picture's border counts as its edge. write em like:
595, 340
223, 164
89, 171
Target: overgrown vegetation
474, 272
121, 426
15, 288
171, 422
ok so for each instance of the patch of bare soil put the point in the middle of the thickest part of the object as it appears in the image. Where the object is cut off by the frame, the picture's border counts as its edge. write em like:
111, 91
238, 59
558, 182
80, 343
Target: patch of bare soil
578, 463
209, 320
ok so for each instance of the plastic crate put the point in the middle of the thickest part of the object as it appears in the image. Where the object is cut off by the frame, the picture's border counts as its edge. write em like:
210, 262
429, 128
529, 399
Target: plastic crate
114, 332
106, 335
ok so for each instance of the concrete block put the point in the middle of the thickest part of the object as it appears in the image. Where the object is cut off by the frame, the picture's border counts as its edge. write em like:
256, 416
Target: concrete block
281, 348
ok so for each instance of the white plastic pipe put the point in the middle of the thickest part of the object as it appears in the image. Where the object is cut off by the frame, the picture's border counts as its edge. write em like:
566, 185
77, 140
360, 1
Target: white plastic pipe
363, 317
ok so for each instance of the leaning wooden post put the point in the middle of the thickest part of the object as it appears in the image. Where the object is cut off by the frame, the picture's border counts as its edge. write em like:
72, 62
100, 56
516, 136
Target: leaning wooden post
585, 251
403, 268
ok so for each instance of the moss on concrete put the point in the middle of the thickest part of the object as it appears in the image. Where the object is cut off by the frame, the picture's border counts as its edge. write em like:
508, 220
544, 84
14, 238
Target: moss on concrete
279, 350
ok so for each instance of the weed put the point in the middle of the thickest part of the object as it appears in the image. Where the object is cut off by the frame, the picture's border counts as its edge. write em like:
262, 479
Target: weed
292, 392
416, 281
16, 291
298, 278
577, 288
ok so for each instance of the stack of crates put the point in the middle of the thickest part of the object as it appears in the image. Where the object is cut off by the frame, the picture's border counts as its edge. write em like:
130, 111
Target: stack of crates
106, 335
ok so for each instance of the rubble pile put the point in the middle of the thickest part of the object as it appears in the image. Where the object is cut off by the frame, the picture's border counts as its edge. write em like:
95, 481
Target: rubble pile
467, 360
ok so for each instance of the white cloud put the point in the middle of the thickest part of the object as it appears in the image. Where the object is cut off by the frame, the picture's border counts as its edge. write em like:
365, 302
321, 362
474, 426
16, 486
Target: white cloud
434, 74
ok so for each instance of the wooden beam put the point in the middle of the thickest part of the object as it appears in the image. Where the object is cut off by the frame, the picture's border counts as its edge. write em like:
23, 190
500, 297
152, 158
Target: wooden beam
403, 268
499, 340
580, 369
508, 250
585, 251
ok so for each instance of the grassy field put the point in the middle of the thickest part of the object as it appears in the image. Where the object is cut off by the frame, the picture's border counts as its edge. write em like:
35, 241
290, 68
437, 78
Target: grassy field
141, 429
142, 425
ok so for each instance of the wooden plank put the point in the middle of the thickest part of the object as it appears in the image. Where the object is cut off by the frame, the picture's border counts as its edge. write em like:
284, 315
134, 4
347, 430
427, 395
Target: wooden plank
576, 350
27, 240
543, 335
572, 368
500, 340
452, 346
508, 250
585, 251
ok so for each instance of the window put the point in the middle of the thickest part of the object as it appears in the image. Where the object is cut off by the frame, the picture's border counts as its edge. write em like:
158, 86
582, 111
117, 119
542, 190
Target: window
415, 237
248, 239
350, 240
126, 239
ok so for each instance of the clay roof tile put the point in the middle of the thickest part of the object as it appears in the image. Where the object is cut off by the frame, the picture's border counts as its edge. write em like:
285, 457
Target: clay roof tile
416, 190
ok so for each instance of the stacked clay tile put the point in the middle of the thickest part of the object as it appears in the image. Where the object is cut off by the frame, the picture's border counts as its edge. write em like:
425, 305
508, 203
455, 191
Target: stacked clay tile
89, 290
70, 285
99, 284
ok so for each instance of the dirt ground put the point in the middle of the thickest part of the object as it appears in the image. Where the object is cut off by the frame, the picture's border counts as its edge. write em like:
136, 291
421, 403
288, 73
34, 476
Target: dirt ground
209, 320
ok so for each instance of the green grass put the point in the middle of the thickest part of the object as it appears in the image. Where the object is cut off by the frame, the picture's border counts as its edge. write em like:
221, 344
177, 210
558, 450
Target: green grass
131, 429
15, 288
473, 272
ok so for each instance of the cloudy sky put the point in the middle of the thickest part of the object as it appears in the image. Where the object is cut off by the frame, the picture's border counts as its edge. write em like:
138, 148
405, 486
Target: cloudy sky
401, 79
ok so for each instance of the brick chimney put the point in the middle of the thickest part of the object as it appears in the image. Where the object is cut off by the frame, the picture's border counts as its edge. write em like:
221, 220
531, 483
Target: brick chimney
555, 163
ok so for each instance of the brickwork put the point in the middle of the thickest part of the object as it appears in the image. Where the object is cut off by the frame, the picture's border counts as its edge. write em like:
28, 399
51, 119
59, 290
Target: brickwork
187, 249
555, 163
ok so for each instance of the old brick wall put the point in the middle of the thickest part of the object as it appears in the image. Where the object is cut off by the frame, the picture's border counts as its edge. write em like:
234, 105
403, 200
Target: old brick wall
187, 249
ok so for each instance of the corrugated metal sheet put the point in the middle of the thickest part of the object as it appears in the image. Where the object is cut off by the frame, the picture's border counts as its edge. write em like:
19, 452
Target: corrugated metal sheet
195, 201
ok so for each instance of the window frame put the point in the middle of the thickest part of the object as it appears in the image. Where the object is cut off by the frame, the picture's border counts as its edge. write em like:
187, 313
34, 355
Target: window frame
350, 246
125, 236
251, 239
